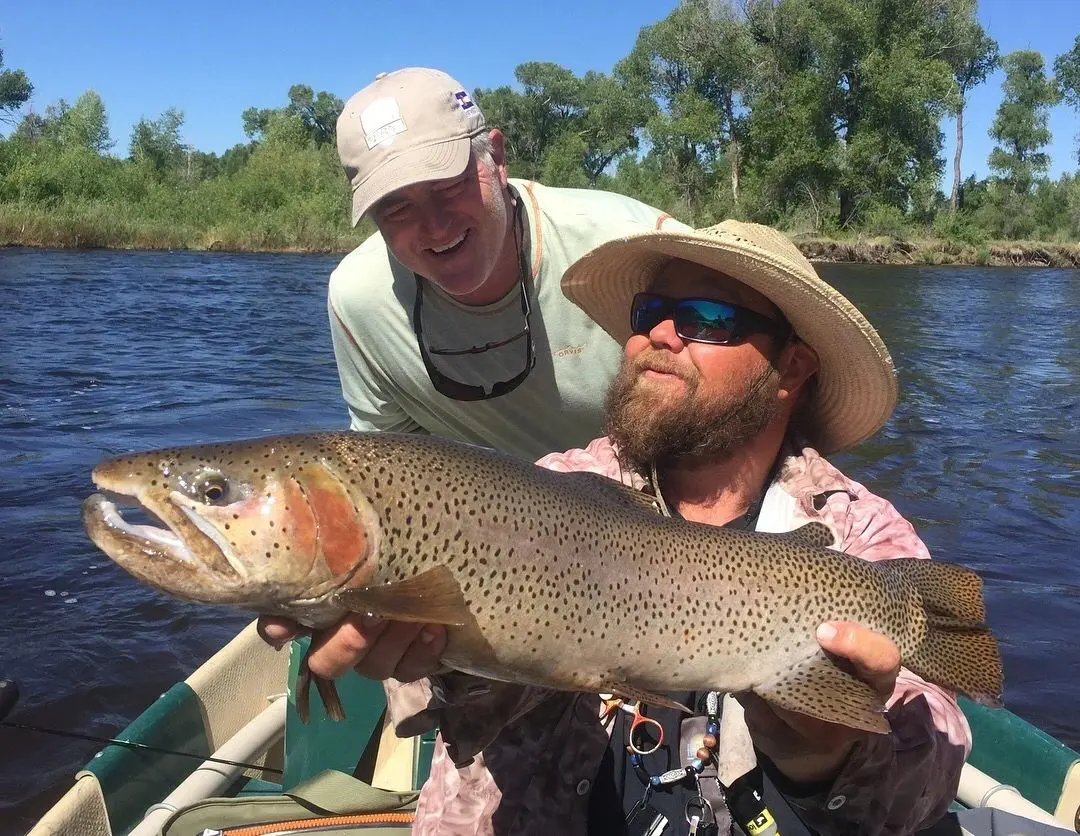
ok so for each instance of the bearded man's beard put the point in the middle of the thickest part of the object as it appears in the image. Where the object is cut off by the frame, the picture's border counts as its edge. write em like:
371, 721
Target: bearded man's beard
647, 425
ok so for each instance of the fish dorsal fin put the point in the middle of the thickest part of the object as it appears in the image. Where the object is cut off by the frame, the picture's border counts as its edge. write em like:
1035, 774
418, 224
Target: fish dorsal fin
431, 597
811, 534
596, 484
820, 689
947, 589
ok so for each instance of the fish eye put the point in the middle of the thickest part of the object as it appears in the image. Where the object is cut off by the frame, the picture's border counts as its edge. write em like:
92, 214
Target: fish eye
212, 488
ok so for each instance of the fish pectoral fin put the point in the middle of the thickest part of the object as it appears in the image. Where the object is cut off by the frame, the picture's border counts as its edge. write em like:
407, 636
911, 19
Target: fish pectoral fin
327, 692
431, 597
632, 694
819, 688
812, 534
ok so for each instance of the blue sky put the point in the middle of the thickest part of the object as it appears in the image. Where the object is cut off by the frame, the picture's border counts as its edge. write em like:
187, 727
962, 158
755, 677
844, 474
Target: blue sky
212, 60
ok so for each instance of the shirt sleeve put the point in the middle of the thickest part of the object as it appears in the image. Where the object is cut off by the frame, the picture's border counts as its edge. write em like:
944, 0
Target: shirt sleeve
891, 785
597, 457
367, 394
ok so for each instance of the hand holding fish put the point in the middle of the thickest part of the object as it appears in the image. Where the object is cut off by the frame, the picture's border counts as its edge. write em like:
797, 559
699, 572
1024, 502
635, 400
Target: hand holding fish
375, 648
807, 749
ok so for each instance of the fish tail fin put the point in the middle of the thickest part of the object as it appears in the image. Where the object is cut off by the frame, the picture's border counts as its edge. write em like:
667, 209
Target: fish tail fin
963, 658
958, 651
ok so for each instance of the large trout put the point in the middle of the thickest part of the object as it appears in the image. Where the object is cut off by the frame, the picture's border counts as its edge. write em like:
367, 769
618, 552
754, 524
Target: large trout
568, 581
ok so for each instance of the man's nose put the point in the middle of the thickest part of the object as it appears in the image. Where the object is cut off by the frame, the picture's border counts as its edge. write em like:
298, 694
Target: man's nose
435, 223
663, 335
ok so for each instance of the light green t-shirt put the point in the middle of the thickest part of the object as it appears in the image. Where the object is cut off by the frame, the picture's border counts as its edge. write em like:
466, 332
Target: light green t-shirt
558, 406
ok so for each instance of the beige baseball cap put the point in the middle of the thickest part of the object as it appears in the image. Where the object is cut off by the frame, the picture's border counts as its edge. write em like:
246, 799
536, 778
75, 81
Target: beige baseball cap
408, 126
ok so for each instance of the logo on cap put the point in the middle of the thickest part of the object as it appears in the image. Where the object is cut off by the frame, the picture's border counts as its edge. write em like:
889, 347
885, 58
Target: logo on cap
463, 100
381, 121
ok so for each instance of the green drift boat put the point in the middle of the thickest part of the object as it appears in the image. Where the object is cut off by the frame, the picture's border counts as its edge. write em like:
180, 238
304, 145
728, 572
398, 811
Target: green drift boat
240, 706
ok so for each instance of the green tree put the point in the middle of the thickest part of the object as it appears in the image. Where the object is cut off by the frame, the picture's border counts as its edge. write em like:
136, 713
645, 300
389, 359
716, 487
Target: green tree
156, 143
972, 55
1050, 208
890, 92
563, 164
646, 180
976, 193
316, 112
612, 117
1067, 72
729, 53
695, 65
15, 91
85, 124
560, 128
82, 125
48, 125
535, 119
847, 101
1021, 124
792, 161
32, 127
235, 158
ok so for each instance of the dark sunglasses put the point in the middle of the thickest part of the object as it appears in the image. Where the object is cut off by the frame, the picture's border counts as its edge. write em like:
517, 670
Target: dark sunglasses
455, 389
703, 320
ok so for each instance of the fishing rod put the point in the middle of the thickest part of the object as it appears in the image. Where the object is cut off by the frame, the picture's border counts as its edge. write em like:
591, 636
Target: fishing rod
9, 695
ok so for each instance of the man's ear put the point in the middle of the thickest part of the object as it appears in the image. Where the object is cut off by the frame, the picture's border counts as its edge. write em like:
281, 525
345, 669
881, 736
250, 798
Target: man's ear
798, 363
498, 153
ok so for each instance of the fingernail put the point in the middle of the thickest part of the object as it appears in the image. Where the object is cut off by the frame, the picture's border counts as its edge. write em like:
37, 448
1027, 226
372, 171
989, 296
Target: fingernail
427, 636
826, 632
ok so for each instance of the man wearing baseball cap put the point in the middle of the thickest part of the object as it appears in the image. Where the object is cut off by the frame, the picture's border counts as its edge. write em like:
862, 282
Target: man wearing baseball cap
450, 319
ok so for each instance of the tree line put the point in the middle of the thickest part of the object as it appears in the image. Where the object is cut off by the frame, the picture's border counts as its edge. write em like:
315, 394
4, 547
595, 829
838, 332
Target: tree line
816, 116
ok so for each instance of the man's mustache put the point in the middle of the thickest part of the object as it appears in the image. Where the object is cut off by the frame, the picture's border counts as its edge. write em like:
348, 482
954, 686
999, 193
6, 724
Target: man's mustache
655, 361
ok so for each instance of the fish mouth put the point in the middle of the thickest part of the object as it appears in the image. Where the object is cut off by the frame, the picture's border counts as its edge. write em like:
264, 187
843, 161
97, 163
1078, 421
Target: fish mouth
177, 551
105, 507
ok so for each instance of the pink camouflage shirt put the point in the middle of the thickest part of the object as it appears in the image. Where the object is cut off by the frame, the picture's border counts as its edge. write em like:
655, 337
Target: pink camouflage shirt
521, 760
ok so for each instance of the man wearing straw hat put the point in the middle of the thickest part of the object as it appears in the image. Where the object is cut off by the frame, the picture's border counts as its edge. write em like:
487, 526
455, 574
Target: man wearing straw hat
741, 368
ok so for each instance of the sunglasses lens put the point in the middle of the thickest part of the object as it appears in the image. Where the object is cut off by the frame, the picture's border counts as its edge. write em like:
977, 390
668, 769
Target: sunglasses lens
646, 312
705, 320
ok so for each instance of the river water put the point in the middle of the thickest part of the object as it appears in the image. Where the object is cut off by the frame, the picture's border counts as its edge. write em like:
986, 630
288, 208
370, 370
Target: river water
105, 352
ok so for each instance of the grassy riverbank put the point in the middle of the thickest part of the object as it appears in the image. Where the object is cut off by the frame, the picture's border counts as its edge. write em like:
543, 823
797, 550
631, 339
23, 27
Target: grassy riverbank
101, 226
104, 226
892, 250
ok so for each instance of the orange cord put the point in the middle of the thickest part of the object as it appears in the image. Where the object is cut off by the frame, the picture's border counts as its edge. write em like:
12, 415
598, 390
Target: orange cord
325, 821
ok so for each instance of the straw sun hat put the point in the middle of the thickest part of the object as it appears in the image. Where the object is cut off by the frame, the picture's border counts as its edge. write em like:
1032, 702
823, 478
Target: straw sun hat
856, 388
